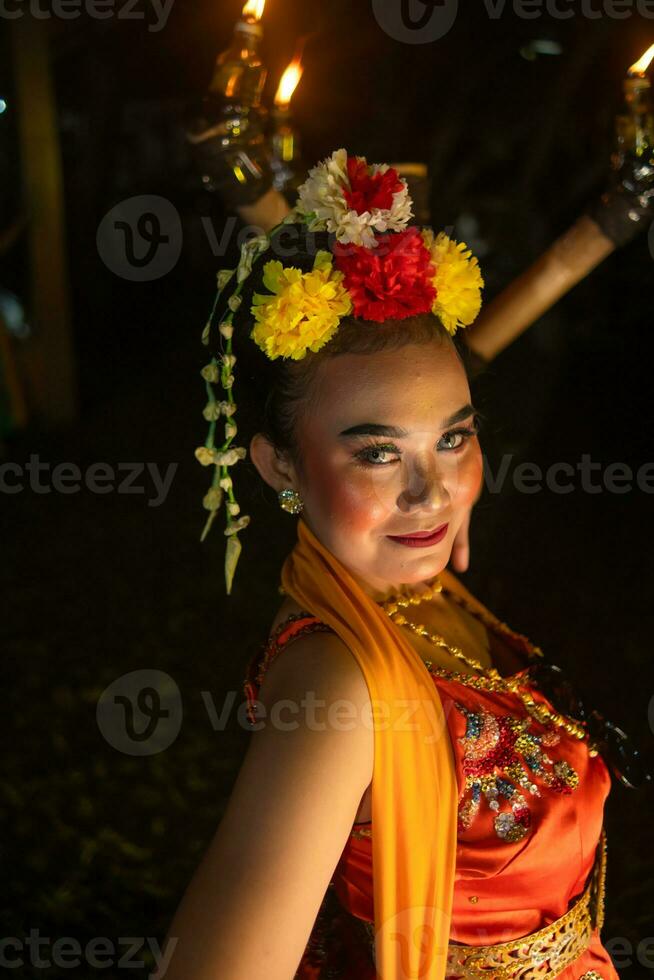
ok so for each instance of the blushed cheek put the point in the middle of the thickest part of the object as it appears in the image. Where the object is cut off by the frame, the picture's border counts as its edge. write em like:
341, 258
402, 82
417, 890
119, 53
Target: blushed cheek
470, 478
352, 503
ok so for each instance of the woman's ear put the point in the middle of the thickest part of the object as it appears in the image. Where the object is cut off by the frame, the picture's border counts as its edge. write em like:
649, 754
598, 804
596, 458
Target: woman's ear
273, 468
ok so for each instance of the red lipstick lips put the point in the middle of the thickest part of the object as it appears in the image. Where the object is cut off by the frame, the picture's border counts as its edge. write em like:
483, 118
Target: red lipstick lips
421, 539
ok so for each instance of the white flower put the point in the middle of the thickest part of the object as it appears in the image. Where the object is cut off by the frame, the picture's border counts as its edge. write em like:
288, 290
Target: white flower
229, 360
212, 499
230, 430
233, 508
234, 302
211, 411
230, 456
237, 525
293, 217
228, 381
226, 329
321, 199
205, 456
210, 372
226, 483
250, 250
223, 278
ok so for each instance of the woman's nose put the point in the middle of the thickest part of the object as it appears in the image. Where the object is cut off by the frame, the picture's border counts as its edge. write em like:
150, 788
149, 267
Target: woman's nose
423, 485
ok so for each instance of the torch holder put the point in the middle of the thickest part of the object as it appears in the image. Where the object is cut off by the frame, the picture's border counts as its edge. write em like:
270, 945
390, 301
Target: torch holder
285, 153
627, 206
230, 151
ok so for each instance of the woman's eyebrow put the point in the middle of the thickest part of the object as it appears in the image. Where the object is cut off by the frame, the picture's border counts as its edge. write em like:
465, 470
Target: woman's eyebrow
394, 432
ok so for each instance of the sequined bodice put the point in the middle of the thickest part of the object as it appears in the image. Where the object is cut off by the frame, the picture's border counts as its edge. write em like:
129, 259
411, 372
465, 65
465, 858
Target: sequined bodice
530, 808
530, 812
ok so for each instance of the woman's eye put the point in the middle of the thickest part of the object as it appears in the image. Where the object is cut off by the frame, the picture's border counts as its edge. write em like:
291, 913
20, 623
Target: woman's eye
381, 455
452, 440
377, 455
457, 437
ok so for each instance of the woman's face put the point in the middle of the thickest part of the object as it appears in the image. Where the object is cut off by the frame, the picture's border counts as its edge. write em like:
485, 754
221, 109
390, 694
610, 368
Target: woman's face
414, 463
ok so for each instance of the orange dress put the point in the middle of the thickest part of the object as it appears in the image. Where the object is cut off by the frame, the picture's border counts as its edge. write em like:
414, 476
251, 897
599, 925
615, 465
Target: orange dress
531, 802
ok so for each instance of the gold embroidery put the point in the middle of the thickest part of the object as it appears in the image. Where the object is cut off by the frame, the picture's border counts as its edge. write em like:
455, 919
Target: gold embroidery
542, 955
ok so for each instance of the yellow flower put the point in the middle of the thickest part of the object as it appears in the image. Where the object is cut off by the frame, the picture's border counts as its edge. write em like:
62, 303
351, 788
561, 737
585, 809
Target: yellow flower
458, 281
303, 311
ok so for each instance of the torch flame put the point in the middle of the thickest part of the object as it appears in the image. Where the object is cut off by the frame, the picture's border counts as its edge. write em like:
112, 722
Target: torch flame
641, 66
288, 83
254, 9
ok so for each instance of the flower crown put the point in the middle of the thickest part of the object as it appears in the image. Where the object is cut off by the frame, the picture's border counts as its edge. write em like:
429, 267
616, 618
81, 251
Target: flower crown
377, 268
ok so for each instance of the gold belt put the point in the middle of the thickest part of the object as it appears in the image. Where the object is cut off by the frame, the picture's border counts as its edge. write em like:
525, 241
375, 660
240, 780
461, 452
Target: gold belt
543, 954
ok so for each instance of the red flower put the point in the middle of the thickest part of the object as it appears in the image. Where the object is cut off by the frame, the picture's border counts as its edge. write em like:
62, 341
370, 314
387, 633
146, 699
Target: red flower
368, 192
391, 281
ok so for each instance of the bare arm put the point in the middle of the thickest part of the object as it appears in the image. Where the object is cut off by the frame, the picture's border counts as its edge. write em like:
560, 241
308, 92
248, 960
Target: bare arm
250, 907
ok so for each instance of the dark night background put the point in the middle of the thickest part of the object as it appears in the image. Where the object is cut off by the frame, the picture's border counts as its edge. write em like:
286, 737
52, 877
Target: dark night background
99, 843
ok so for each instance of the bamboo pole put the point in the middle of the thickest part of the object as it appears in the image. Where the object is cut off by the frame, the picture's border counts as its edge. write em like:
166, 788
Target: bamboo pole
42, 192
9, 370
267, 212
565, 263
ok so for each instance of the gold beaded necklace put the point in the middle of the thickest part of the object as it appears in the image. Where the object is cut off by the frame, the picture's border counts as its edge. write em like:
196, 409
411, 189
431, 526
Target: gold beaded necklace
487, 678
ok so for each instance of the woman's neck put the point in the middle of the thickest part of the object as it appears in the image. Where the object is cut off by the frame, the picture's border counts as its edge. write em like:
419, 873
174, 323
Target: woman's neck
382, 591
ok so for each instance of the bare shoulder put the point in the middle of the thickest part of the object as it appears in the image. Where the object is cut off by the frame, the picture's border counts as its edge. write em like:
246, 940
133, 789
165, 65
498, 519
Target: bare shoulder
318, 662
323, 656
254, 899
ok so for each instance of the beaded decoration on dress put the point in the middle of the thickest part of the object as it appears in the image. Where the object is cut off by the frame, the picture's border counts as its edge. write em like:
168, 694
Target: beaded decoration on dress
500, 755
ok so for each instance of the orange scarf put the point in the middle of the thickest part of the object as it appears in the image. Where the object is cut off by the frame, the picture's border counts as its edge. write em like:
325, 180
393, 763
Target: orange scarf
414, 788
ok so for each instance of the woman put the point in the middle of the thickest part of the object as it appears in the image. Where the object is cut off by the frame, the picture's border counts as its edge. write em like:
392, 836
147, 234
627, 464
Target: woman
411, 804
